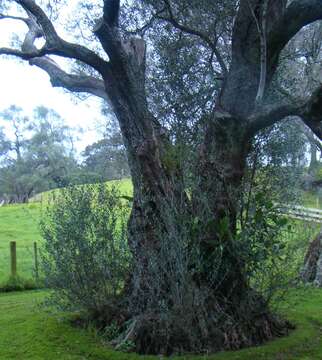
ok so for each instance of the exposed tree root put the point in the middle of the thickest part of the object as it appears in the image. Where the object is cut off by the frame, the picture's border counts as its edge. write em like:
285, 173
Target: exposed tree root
208, 327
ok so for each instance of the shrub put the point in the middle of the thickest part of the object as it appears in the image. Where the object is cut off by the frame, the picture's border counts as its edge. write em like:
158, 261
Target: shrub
85, 257
17, 283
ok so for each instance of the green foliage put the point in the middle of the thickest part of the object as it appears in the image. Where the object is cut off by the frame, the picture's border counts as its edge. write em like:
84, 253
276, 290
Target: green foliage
272, 247
173, 157
105, 159
318, 173
85, 256
260, 234
20, 223
38, 157
17, 283
110, 332
126, 346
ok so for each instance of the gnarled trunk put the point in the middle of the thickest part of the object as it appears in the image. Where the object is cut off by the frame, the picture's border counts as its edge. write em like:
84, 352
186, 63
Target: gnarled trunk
188, 289
221, 170
312, 269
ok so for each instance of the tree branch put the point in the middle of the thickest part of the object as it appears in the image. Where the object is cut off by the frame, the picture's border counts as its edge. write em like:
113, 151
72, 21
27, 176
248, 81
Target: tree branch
186, 29
39, 58
111, 12
23, 55
309, 110
297, 15
312, 113
268, 115
57, 46
5, 16
71, 82
121, 53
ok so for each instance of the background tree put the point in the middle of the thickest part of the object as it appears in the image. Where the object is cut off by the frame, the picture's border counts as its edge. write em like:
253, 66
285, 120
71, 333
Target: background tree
106, 159
38, 157
241, 46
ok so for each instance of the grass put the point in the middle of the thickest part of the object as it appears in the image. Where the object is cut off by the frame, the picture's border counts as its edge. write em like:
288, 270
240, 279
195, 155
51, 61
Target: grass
20, 223
28, 331
312, 199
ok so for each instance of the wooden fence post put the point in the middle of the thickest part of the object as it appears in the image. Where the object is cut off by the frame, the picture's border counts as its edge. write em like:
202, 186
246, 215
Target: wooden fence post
36, 261
13, 257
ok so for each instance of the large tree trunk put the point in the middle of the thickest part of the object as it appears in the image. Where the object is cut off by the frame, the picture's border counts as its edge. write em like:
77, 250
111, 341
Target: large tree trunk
221, 169
213, 295
312, 270
188, 289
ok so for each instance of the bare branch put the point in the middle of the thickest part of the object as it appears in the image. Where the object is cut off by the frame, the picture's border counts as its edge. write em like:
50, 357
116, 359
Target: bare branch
49, 30
39, 58
71, 82
309, 110
5, 16
312, 113
111, 11
297, 15
268, 115
263, 42
23, 55
57, 46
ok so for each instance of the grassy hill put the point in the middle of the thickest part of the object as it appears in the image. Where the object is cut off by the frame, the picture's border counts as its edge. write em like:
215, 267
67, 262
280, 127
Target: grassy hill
20, 223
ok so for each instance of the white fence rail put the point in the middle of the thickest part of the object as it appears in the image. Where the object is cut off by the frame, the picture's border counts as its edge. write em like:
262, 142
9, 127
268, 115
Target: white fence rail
301, 213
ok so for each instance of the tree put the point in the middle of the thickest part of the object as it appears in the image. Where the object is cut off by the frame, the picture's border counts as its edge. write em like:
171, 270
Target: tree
106, 158
243, 41
38, 157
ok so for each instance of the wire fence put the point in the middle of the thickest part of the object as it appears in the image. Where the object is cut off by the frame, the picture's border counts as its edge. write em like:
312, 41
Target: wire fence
301, 213
18, 260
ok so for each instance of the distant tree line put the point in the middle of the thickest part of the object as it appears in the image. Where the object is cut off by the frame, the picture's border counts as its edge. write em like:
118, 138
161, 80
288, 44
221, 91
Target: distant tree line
37, 154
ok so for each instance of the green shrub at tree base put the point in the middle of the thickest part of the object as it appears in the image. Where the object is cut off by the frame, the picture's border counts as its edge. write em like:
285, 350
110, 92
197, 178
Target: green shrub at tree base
85, 257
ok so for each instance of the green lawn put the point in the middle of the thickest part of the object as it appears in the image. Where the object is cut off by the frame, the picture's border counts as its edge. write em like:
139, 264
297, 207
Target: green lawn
28, 331
312, 199
20, 223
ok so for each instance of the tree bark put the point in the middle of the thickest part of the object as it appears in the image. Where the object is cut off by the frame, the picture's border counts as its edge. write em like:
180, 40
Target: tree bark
312, 270
221, 170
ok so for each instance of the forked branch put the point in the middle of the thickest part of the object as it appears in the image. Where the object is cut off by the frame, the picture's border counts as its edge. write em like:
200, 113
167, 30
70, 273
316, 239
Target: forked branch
40, 58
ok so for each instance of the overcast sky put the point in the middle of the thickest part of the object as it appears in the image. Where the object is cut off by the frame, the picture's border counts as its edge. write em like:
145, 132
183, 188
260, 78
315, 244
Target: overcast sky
27, 86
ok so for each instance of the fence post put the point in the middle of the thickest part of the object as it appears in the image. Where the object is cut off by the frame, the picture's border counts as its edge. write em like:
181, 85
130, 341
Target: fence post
36, 261
13, 257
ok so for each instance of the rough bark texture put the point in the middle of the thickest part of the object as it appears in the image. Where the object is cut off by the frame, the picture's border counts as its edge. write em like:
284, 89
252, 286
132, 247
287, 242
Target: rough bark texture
190, 312
312, 270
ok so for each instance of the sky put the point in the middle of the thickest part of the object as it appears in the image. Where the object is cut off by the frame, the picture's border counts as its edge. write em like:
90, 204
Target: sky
28, 87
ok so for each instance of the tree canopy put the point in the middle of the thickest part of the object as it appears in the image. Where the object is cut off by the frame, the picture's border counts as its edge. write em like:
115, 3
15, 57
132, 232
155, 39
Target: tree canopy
193, 85
38, 156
